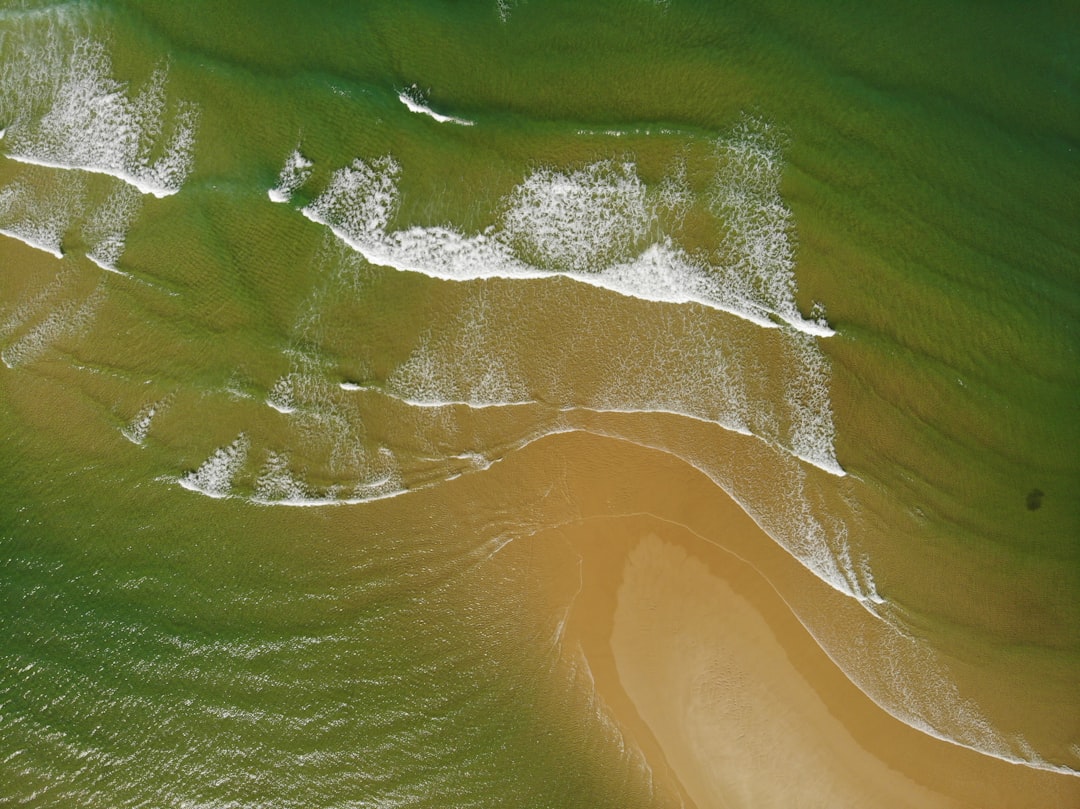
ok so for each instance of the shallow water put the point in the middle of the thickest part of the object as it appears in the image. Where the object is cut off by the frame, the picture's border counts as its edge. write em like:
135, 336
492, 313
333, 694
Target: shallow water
361, 260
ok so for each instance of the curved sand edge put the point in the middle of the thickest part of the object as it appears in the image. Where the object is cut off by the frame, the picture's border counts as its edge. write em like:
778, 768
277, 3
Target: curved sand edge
731, 700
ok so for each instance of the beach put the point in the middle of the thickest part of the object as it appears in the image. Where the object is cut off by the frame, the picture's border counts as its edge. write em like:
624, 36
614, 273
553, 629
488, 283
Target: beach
539, 404
731, 700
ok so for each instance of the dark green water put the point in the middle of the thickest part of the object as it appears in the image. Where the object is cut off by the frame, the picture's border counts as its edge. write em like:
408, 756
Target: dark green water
837, 241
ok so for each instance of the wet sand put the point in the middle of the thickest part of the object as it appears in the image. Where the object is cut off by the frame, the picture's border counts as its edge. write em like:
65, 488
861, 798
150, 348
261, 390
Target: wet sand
729, 698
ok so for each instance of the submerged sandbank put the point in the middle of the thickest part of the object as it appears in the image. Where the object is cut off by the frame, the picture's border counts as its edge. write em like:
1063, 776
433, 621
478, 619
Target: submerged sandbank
730, 699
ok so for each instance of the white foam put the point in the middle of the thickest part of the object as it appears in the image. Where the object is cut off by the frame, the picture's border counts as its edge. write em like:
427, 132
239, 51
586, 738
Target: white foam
93, 123
106, 228
360, 201
317, 408
215, 477
277, 485
293, 174
733, 427
282, 397
276, 482
758, 254
729, 426
661, 411
437, 403
382, 481
503, 7
137, 430
140, 184
331, 500
39, 211
661, 274
813, 436
29, 307
681, 365
52, 248
480, 373
412, 100
578, 221
107, 267
674, 196
66, 321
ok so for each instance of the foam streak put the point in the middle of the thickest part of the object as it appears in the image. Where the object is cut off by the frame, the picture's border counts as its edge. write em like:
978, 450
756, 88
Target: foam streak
142, 185
422, 109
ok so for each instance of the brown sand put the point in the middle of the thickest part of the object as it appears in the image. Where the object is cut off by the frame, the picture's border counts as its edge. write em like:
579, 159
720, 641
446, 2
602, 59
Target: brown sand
709, 673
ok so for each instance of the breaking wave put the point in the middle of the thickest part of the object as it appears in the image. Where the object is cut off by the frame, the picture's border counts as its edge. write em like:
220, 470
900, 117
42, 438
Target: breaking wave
293, 174
590, 225
413, 100
62, 108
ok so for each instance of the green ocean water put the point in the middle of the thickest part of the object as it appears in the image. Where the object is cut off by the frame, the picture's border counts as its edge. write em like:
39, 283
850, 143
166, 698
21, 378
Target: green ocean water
260, 455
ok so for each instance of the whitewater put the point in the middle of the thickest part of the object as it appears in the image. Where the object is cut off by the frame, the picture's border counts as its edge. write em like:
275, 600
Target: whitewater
730, 354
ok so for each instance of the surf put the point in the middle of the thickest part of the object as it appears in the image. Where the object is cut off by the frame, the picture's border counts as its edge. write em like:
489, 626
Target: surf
582, 225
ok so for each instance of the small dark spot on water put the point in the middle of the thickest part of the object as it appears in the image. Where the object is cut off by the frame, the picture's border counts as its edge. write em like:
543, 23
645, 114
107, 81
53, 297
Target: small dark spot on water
1034, 499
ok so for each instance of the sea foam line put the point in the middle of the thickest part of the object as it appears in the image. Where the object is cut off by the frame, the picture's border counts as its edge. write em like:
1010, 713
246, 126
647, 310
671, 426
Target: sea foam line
1035, 761
106, 267
30, 241
301, 502
901, 712
478, 258
435, 403
141, 185
827, 466
556, 215
415, 106
214, 478
313, 502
